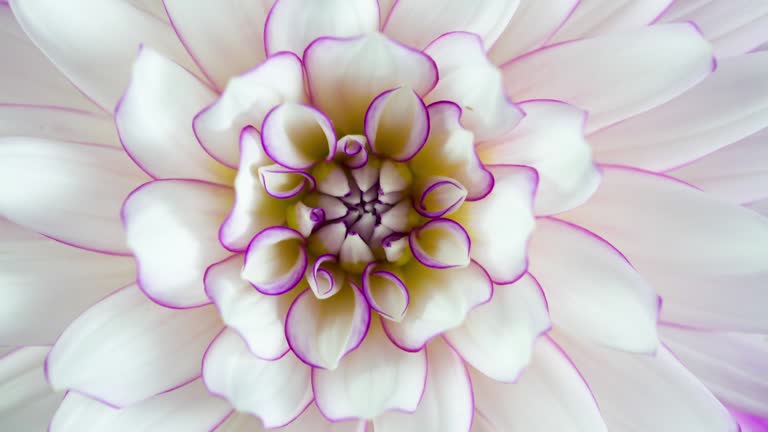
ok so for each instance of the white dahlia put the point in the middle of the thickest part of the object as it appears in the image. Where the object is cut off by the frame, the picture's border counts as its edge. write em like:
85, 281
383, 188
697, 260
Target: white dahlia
392, 216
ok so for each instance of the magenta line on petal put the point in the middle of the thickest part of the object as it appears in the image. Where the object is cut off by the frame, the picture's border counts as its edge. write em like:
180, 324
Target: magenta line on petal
201, 142
289, 283
374, 109
269, 147
422, 256
367, 273
189, 51
421, 207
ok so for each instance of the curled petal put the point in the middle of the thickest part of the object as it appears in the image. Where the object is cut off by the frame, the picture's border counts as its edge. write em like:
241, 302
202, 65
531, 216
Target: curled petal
298, 136
396, 248
385, 291
354, 150
283, 183
325, 277
304, 219
275, 260
397, 124
439, 196
440, 243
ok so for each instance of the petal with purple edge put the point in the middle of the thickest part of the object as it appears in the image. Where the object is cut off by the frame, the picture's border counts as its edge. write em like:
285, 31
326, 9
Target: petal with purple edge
447, 404
440, 300
470, 80
497, 338
258, 318
500, 224
439, 196
353, 150
397, 124
150, 349
325, 277
275, 391
322, 332
345, 75
275, 260
355, 253
298, 136
284, 183
440, 244
351, 390
385, 291
28, 400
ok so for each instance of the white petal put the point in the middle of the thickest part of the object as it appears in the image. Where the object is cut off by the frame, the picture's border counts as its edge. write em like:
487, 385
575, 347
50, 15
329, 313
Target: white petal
531, 26
188, 408
550, 139
294, 24
259, 319
592, 290
68, 191
706, 258
344, 75
284, 250
595, 17
275, 391
600, 68
647, 392
385, 291
95, 50
440, 243
298, 136
439, 196
397, 124
246, 101
549, 396
321, 332
127, 348
27, 401
154, 119
224, 38
499, 224
309, 420
470, 80
447, 403
440, 299
355, 253
40, 277
58, 123
172, 227
418, 22
729, 105
497, 338
352, 390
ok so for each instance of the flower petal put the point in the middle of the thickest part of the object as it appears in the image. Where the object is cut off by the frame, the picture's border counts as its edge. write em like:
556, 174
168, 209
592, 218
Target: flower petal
246, 100
68, 191
281, 247
397, 124
592, 290
57, 123
294, 24
729, 105
596, 17
309, 420
470, 80
549, 396
440, 300
171, 227
497, 338
258, 318
344, 75
664, 395
95, 50
224, 38
418, 22
447, 404
550, 139
351, 390
325, 277
321, 332
440, 243
188, 408
154, 117
599, 68
298, 136
439, 196
385, 291
275, 391
706, 258
500, 224
126, 348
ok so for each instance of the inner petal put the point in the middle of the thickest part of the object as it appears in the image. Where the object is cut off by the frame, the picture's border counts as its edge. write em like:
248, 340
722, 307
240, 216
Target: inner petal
275, 260
440, 243
297, 136
397, 124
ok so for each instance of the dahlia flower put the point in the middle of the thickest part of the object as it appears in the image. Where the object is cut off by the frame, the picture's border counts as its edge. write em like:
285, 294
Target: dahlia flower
359, 215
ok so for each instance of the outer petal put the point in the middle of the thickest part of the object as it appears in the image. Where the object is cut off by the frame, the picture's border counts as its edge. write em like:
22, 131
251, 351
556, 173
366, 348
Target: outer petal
95, 50
57, 123
550, 396
352, 390
729, 105
499, 224
418, 22
275, 391
294, 24
171, 227
440, 299
258, 318
187, 408
749, 423
637, 392
309, 420
707, 259
224, 38
344, 75
550, 139
600, 68
126, 348
497, 338
154, 118
468, 78
447, 404
43, 278
27, 401
592, 289
595, 17
733, 365
71, 192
